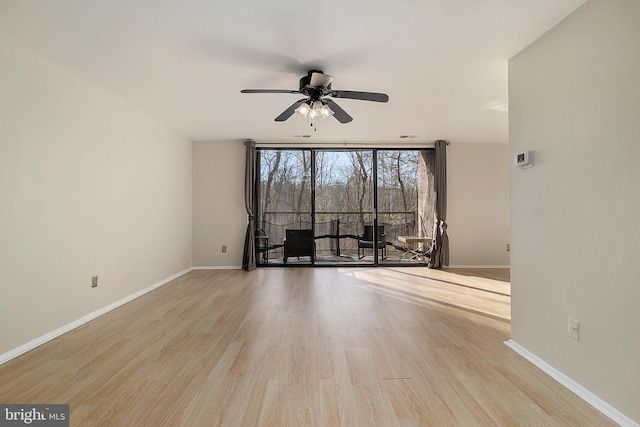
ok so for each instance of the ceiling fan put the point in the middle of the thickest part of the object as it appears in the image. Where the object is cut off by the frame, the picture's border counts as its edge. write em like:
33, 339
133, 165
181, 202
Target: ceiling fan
316, 86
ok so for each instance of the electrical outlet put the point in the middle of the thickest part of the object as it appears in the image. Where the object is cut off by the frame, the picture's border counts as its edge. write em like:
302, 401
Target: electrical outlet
224, 248
574, 329
94, 282
508, 247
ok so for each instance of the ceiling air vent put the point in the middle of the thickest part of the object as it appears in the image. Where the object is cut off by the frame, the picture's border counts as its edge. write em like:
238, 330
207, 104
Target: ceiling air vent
302, 136
408, 136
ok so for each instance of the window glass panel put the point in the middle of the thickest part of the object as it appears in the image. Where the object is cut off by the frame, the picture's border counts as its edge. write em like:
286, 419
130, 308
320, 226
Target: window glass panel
344, 204
399, 194
284, 199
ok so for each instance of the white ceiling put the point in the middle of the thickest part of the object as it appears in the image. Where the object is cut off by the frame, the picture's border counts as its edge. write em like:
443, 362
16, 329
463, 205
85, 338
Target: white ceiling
443, 63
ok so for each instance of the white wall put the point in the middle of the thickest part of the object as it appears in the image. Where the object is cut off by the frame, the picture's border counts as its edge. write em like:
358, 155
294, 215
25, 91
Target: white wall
88, 185
219, 215
478, 204
575, 100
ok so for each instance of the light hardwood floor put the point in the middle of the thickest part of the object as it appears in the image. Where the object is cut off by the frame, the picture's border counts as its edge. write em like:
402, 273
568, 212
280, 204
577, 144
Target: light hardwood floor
300, 346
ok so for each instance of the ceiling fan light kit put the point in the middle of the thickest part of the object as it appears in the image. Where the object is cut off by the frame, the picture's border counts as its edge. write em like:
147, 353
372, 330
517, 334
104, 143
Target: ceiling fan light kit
314, 110
316, 86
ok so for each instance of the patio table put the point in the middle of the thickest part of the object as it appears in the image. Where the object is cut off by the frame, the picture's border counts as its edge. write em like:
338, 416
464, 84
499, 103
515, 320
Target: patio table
413, 246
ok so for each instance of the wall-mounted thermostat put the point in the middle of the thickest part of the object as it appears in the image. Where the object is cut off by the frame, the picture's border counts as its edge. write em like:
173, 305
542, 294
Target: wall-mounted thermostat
524, 159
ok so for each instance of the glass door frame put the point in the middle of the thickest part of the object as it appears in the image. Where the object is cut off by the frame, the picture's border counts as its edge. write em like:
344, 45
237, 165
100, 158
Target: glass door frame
374, 211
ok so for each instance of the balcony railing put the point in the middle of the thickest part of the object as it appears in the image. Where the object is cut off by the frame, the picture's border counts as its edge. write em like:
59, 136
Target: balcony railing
336, 233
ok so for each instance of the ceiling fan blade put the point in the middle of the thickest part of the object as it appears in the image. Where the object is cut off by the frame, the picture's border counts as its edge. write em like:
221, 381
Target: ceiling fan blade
320, 80
268, 91
363, 96
338, 112
289, 111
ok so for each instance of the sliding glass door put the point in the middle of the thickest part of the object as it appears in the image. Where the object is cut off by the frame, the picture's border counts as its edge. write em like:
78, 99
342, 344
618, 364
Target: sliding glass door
337, 207
343, 205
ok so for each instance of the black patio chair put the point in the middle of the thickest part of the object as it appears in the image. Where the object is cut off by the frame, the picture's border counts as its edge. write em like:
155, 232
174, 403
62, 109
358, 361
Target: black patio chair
366, 241
299, 243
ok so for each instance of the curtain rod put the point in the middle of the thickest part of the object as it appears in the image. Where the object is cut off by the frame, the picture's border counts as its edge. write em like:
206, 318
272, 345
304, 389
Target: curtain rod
345, 144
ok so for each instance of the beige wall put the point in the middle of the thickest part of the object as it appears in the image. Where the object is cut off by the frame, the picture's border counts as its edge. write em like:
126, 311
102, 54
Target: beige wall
219, 215
478, 204
575, 100
88, 186
478, 213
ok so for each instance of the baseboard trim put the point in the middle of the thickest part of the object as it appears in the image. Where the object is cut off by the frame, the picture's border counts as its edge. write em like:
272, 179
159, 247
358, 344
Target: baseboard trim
218, 267
593, 400
11, 354
477, 266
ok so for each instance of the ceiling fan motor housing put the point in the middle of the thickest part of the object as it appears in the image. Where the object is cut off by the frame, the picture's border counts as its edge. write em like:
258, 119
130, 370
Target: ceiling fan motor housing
307, 89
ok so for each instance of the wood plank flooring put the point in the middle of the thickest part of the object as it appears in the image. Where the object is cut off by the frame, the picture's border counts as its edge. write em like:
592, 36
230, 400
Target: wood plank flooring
300, 347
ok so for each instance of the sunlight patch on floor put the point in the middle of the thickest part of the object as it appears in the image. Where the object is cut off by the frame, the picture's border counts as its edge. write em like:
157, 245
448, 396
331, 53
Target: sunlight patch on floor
465, 292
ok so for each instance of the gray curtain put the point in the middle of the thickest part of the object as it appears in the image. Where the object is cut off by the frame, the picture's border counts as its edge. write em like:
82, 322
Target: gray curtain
249, 255
440, 249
